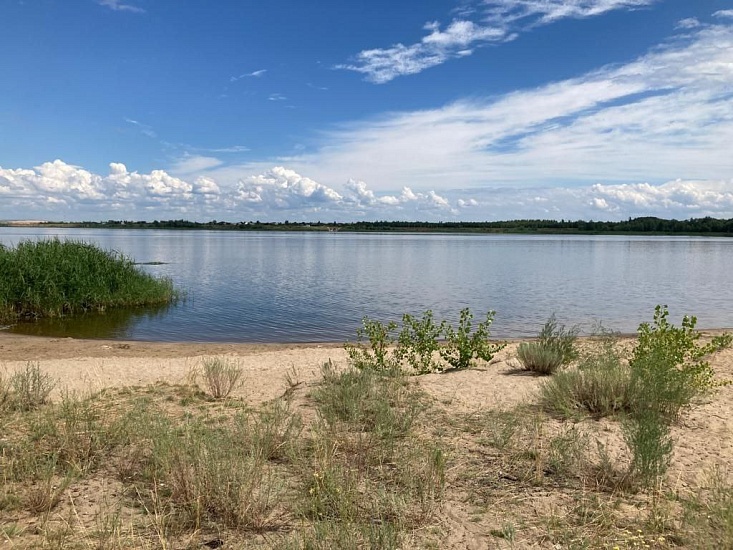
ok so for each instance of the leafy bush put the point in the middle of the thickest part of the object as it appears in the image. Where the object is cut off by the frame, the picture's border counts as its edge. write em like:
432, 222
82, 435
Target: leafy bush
669, 367
418, 342
463, 346
378, 353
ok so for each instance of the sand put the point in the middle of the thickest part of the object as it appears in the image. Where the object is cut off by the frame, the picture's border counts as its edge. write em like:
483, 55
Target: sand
703, 439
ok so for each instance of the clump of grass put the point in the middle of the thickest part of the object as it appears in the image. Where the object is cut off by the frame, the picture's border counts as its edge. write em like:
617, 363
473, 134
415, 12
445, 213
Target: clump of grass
221, 376
554, 348
53, 278
26, 389
708, 517
367, 477
599, 386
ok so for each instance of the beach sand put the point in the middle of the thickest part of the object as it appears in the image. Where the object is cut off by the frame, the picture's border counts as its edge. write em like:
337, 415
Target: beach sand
703, 438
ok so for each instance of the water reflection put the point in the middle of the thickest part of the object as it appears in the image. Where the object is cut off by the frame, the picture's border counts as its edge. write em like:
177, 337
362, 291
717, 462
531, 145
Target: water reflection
113, 324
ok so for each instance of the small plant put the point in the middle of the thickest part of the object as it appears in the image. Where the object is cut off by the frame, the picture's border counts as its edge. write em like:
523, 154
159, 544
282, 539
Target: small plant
31, 388
647, 435
418, 342
540, 359
463, 346
377, 354
554, 348
221, 376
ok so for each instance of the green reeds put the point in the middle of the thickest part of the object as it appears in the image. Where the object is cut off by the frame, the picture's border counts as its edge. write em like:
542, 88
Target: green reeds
51, 278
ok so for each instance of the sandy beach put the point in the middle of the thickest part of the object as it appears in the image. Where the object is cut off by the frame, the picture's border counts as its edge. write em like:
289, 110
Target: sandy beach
703, 439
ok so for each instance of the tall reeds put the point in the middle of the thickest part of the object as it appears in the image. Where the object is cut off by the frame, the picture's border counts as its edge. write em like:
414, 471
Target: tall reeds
51, 278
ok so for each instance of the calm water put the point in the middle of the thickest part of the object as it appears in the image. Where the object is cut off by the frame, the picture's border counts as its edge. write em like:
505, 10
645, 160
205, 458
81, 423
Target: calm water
310, 287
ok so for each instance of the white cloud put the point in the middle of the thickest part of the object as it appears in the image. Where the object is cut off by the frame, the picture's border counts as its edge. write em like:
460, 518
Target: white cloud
382, 65
725, 14
502, 20
253, 74
665, 115
56, 190
189, 164
688, 23
276, 97
117, 5
535, 12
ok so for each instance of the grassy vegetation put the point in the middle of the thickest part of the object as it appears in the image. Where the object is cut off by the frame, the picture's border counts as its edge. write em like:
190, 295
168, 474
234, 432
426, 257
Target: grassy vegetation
555, 347
361, 457
53, 278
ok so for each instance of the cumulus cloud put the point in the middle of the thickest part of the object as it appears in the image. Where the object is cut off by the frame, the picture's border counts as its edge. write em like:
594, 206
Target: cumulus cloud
724, 14
284, 189
57, 190
502, 21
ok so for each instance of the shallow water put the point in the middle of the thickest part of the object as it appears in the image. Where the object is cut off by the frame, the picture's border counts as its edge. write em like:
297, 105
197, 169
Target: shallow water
311, 287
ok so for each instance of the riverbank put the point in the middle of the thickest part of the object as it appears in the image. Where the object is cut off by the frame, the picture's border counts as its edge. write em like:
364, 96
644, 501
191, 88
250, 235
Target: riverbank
503, 486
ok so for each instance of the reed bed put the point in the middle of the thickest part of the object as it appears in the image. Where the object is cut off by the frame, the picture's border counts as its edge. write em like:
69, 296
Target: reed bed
52, 278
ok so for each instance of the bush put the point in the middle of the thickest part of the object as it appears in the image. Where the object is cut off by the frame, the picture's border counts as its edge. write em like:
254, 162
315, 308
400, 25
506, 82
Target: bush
463, 346
221, 377
418, 342
377, 354
554, 348
669, 369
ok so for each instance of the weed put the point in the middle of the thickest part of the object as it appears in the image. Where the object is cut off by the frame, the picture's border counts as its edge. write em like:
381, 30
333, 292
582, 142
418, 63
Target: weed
31, 388
377, 354
463, 346
708, 517
537, 358
554, 348
418, 342
221, 376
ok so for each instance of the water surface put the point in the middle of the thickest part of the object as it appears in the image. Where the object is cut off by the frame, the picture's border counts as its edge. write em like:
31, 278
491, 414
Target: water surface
315, 287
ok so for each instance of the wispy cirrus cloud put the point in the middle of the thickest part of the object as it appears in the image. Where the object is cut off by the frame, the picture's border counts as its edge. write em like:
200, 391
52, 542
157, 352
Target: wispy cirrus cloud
666, 115
253, 74
117, 5
496, 21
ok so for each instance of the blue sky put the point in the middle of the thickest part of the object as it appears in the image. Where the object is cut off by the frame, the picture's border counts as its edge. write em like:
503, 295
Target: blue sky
433, 110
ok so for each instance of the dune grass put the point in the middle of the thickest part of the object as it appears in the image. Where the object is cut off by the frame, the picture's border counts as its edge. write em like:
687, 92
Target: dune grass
52, 278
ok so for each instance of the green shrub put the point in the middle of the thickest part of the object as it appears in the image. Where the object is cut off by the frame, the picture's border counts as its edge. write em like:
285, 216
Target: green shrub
463, 346
669, 369
53, 278
647, 435
554, 348
418, 342
377, 354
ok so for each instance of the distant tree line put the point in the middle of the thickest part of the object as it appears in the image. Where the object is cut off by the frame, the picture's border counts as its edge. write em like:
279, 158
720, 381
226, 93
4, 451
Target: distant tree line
642, 225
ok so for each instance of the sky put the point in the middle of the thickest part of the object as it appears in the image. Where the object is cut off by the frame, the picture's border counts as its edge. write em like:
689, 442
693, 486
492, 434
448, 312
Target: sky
432, 110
